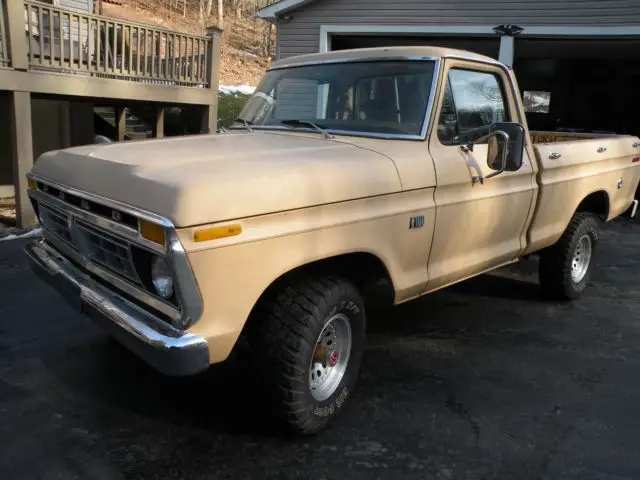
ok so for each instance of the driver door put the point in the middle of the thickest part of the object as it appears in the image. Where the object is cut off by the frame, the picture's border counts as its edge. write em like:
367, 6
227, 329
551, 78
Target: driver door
478, 225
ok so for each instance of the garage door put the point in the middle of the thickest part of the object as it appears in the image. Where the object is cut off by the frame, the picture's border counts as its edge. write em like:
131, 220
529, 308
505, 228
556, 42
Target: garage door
482, 45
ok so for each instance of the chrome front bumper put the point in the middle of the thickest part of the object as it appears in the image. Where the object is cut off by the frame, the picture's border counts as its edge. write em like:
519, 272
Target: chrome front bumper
148, 337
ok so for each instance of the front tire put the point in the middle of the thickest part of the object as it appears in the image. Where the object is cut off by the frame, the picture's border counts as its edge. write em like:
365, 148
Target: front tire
310, 342
565, 267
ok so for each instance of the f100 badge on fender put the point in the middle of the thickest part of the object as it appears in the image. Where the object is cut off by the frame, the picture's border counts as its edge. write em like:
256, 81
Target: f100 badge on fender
416, 222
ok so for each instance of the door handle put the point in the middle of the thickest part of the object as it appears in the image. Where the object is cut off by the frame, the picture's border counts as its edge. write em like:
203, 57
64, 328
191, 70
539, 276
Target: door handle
602, 149
554, 156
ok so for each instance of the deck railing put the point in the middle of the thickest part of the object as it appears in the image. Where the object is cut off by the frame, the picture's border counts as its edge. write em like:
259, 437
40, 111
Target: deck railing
67, 41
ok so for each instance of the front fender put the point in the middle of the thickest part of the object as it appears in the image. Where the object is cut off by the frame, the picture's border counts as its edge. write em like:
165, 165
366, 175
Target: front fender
232, 273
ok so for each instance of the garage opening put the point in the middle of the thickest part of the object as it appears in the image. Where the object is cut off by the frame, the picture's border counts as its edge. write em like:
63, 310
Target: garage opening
489, 46
575, 85
580, 85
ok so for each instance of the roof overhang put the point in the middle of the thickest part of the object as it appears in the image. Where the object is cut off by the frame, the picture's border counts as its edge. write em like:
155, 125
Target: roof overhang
275, 10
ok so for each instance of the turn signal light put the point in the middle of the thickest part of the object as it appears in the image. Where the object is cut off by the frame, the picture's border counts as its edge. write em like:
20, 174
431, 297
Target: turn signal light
217, 233
33, 186
152, 232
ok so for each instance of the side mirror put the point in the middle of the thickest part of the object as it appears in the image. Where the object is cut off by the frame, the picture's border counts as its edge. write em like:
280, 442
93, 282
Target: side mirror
497, 151
506, 147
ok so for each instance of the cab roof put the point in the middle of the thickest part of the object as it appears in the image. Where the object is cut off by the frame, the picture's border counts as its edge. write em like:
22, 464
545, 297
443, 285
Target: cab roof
381, 53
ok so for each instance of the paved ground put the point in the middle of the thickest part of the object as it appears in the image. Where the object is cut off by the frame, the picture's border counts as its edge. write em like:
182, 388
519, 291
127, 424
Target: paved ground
481, 381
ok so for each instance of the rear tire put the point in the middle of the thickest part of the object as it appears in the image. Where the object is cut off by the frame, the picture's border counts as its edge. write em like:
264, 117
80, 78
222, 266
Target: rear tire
309, 345
565, 267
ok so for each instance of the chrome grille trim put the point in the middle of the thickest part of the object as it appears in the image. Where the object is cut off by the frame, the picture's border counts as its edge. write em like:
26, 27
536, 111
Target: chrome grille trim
187, 290
114, 280
100, 210
108, 251
97, 246
56, 222
97, 220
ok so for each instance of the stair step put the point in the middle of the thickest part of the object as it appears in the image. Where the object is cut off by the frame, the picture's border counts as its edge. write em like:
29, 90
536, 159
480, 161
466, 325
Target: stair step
138, 136
135, 128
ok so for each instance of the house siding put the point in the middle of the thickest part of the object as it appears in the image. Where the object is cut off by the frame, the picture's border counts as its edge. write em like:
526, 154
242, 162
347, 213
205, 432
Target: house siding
301, 34
85, 6
79, 5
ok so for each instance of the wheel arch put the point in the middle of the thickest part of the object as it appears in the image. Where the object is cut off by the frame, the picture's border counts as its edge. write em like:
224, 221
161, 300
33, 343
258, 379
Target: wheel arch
596, 202
366, 270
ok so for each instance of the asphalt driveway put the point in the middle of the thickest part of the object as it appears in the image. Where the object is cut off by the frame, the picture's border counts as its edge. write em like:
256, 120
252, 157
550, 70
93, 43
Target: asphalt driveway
483, 380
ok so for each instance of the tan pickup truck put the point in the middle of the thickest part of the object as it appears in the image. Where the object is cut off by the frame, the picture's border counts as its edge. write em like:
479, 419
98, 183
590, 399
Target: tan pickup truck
351, 178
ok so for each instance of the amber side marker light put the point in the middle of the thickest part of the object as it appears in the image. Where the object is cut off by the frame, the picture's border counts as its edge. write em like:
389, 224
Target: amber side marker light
33, 186
217, 233
151, 232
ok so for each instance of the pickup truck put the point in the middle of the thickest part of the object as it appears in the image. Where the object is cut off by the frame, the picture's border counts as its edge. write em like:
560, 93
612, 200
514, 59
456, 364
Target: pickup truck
351, 179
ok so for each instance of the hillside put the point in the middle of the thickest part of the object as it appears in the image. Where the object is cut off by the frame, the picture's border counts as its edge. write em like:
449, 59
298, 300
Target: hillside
247, 43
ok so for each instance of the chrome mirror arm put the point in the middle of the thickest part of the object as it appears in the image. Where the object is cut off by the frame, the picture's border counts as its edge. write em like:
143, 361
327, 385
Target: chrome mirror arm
503, 164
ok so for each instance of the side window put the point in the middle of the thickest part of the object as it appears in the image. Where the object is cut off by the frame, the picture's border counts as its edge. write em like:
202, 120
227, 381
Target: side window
448, 123
478, 101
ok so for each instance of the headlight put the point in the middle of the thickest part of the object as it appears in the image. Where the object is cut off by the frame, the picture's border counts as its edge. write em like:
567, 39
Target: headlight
161, 277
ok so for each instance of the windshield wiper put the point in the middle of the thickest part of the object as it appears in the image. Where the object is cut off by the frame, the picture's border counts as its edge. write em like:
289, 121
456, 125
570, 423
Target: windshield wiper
301, 123
245, 123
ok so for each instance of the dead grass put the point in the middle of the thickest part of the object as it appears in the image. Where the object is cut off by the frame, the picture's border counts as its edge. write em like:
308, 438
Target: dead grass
8, 210
243, 41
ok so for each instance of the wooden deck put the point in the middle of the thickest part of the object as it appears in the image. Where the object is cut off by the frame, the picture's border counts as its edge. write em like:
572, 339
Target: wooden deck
57, 53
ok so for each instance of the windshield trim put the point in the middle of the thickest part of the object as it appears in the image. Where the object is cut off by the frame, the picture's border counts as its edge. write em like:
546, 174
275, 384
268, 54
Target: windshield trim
333, 61
356, 133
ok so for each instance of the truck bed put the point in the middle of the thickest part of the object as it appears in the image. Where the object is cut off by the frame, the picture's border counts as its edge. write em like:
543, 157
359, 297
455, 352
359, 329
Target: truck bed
541, 136
576, 166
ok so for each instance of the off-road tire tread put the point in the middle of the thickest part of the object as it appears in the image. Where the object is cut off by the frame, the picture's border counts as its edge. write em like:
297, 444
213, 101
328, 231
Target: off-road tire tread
555, 261
283, 337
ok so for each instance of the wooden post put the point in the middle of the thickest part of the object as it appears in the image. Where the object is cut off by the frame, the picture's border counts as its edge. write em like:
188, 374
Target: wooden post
121, 124
22, 154
209, 122
210, 113
158, 127
16, 38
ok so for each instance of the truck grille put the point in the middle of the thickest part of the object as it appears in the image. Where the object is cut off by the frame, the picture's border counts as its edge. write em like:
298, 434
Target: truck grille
106, 245
108, 251
91, 242
103, 211
56, 222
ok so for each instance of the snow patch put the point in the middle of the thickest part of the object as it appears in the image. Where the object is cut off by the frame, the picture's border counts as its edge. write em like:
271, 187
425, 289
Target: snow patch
30, 234
244, 89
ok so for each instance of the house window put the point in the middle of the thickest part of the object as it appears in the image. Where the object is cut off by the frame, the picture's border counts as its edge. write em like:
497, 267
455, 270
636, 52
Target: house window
536, 101
473, 101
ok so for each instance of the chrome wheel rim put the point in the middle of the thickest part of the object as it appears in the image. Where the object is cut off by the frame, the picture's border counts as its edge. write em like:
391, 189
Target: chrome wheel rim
330, 357
581, 259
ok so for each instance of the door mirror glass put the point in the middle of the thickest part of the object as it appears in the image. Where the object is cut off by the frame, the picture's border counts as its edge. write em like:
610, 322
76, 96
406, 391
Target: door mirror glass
497, 142
506, 147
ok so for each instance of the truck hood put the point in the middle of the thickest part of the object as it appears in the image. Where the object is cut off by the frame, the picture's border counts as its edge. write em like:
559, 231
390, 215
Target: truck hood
194, 180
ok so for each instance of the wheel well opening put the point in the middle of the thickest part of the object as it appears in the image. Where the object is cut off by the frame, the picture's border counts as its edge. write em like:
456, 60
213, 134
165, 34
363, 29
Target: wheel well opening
597, 202
365, 270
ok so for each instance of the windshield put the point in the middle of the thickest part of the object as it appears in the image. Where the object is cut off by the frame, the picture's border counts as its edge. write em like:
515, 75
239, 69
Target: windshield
381, 97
